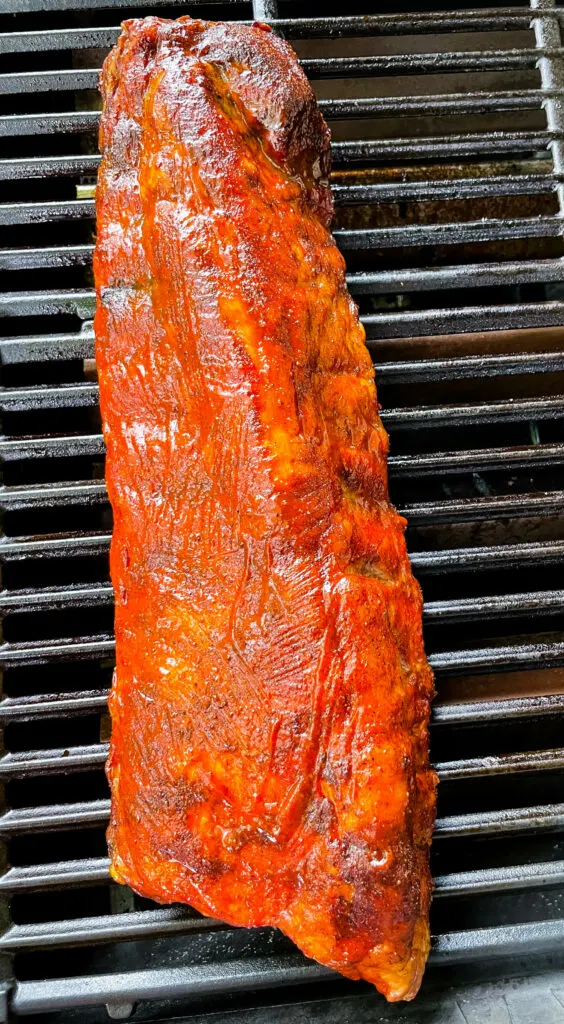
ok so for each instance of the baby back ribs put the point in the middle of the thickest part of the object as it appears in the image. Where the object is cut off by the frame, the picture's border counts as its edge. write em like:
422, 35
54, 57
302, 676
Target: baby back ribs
269, 754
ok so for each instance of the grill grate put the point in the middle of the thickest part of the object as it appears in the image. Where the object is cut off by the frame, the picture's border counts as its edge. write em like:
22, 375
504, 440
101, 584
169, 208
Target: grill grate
454, 245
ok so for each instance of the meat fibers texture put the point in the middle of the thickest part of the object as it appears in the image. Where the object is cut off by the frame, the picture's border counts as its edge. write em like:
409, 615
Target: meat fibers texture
269, 753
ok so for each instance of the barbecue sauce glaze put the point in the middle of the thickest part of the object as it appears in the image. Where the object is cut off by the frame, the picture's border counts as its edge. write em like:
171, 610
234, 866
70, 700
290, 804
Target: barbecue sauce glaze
269, 755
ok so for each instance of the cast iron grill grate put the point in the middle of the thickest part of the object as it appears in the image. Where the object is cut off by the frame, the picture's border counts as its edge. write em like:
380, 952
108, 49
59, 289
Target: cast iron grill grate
449, 179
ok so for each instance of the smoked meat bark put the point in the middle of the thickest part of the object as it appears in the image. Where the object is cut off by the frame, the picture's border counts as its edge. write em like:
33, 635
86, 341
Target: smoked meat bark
269, 755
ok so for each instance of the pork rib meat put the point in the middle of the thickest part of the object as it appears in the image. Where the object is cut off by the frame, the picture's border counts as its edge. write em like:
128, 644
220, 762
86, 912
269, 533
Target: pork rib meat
269, 754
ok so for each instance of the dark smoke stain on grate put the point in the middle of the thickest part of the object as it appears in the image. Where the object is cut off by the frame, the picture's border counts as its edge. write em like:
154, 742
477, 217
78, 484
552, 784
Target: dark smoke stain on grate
448, 131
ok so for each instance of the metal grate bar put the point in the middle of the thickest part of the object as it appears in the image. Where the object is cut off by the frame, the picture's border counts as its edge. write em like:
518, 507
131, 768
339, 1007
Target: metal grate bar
41, 347
92, 756
167, 983
73, 79
468, 367
95, 814
461, 610
472, 460
500, 659
463, 320
59, 39
297, 28
503, 506
232, 976
53, 762
86, 814
441, 103
355, 107
52, 705
59, 396
51, 347
48, 167
483, 20
504, 940
411, 323
518, 820
470, 609
13, 125
473, 275
265, 10
453, 233
177, 920
89, 931
38, 213
547, 35
343, 195
88, 492
52, 447
88, 758
477, 767
426, 63
506, 556
471, 414
32, 82
52, 257
86, 702
81, 492
81, 302
433, 147
28, 6
63, 396
60, 875
405, 324
95, 870
102, 646
451, 188
41, 652
55, 546
52, 599
484, 711
55, 257
448, 560
79, 209
48, 303
444, 147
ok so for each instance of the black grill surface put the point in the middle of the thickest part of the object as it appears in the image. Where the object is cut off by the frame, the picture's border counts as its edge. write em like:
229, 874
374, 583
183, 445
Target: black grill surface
448, 129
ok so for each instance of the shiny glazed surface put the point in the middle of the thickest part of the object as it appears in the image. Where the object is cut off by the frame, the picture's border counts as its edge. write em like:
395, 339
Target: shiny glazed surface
269, 754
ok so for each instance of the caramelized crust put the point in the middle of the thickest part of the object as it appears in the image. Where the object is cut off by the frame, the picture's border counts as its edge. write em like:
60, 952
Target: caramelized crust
269, 755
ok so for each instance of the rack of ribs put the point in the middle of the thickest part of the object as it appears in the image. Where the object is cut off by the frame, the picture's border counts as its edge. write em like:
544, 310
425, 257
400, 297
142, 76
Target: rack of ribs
269, 754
